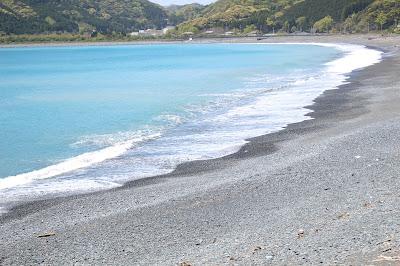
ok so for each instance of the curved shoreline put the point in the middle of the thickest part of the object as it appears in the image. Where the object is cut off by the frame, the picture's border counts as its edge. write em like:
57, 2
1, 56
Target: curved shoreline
340, 68
261, 195
190, 167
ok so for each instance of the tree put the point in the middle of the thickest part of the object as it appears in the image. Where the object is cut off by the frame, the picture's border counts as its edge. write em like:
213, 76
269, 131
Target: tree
187, 27
350, 23
381, 19
324, 24
286, 26
249, 28
271, 23
301, 23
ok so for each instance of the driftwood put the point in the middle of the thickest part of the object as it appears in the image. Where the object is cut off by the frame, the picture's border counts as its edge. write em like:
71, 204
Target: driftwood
46, 235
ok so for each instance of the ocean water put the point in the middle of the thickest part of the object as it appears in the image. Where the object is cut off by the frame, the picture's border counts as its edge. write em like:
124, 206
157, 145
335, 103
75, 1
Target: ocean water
76, 119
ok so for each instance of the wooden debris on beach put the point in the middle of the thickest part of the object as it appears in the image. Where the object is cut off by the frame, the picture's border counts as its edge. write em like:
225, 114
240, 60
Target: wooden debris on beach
344, 215
46, 235
258, 248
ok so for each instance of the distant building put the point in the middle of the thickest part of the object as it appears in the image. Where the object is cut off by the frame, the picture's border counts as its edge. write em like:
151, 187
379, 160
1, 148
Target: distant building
166, 29
253, 33
216, 30
150, 32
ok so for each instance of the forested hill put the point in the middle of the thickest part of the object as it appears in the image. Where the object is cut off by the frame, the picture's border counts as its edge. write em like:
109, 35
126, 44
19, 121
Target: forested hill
317, 9
338, 10
181, 13
294, 15
237, 16
73, 16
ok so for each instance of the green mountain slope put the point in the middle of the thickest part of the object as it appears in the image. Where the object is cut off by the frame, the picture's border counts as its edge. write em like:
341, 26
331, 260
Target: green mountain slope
293, 15
316, 9
239, 13
389, 9
181, 13
107, 16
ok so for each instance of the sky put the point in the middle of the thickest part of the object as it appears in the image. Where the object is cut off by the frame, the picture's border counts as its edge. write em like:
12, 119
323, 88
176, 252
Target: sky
181, 2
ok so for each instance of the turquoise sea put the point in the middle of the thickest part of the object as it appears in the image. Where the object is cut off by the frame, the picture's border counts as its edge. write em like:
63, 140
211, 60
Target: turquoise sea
92, 117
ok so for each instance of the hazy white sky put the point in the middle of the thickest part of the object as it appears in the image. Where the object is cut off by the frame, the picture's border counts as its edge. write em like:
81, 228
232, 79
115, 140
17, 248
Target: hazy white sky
181, 2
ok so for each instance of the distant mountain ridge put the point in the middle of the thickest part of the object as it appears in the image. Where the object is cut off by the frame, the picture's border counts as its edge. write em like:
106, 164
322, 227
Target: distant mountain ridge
73, 16
181, 13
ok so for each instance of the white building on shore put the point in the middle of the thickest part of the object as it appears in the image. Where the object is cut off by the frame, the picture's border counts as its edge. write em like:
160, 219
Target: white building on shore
152, 32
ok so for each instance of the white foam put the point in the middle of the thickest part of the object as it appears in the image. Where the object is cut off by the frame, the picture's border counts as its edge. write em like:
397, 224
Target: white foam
107, 140
174, 119
356, 56
78, 162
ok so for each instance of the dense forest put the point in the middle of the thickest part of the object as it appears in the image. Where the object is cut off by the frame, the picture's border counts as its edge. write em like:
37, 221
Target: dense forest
113, 17
79, 16
266, 16
181, 13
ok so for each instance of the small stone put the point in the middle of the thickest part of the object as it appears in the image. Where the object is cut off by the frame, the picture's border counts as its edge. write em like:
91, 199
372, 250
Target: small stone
300, 233
269, 257
367, 205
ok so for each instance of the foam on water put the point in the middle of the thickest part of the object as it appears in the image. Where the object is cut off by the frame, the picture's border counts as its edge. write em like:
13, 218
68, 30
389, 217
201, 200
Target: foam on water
81, 161
355, 57
221, 127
